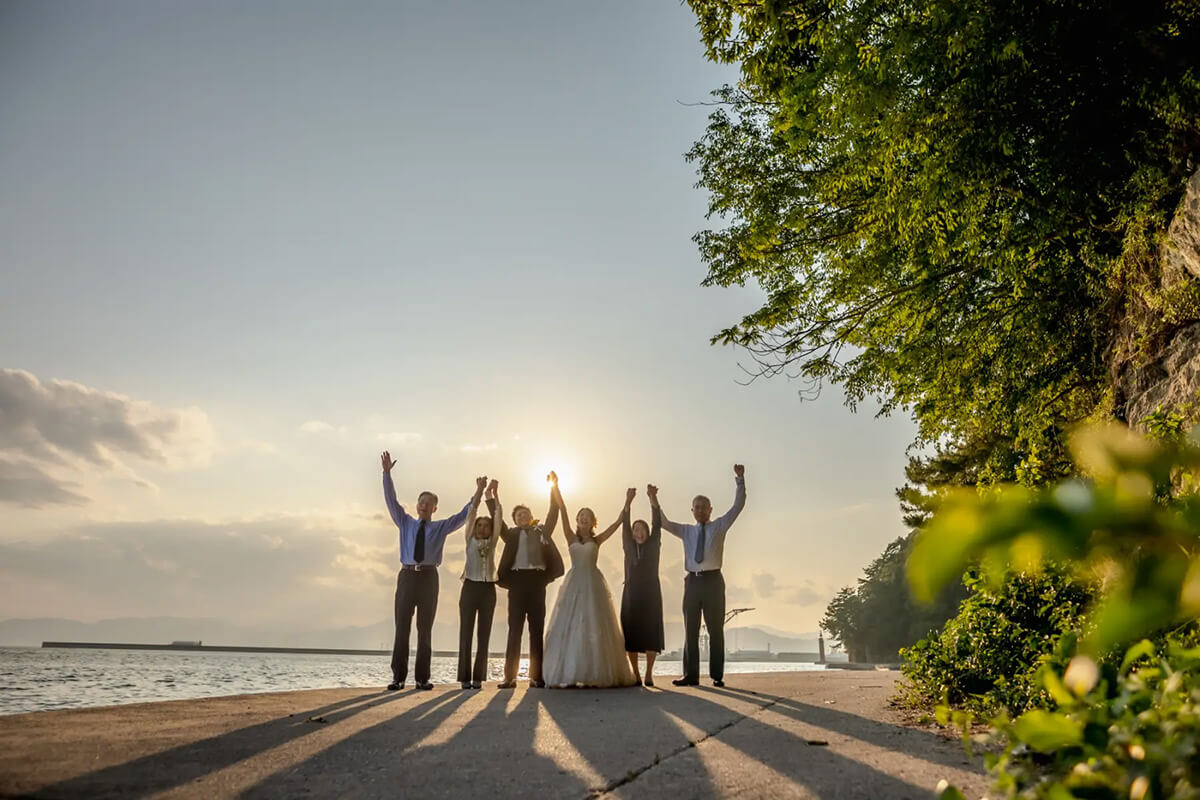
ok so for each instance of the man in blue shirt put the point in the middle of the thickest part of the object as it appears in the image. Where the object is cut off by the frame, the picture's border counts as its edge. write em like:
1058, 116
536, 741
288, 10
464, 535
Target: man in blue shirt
421, 541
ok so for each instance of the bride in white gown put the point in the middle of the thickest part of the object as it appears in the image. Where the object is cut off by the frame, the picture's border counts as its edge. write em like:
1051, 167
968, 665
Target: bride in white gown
584, 645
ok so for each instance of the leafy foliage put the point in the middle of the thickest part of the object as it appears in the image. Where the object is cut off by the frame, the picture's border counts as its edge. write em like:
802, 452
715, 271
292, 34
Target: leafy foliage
1135, 520
874, 620
949, 203
1099, 731
1135, 737
989, 657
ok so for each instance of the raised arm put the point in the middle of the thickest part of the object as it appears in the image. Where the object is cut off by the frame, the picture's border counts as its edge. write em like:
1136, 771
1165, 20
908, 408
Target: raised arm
493, 504
626, 529
452, 523
389, 491
480, 483
602, 537
672, 527
559, 507
497, 522
739, 497
496, 510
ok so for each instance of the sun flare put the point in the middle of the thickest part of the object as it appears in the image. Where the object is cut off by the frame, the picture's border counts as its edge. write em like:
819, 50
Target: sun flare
539, 479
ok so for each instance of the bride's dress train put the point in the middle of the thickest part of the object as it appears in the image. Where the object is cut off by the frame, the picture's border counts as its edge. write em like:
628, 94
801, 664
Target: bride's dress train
584, 645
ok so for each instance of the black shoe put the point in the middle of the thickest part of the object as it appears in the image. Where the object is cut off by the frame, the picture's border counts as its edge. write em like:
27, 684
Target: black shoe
649, 682
395, 686
537, 684
719, 684
425, 686
507, 685
475, 685
685, 682
466, 684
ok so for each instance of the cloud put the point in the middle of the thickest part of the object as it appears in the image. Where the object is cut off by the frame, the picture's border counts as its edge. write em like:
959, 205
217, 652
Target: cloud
735, 593
25, 484
764, 584
58, 420
805, 595
50, 431
400, 438
276, 571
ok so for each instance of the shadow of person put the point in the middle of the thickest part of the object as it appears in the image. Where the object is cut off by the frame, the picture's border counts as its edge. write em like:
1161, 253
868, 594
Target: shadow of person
191, 761
767, 751
619, 732
933, 748
480, 743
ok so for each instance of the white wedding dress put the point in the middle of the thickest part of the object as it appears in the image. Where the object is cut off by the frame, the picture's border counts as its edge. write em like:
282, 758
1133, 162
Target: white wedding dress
584, 645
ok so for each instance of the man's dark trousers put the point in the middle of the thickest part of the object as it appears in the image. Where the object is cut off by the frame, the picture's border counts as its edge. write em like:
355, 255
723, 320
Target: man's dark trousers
416, 590
704, 594
526, 600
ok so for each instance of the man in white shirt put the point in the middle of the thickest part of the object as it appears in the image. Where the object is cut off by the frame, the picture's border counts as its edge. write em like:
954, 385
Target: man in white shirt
529, 563
704, 586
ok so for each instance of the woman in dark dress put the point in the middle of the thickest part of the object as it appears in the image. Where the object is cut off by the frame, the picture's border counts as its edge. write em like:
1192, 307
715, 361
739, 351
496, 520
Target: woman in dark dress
641, 602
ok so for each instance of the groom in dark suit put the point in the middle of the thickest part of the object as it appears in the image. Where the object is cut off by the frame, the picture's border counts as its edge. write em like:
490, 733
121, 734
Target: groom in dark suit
530, 562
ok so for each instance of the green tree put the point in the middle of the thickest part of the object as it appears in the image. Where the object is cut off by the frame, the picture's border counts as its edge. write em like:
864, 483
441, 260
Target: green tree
876, 619
843, 620
950, 204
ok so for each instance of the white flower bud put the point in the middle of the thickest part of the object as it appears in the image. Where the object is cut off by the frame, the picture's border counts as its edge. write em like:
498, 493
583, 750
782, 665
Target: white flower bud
1081, 676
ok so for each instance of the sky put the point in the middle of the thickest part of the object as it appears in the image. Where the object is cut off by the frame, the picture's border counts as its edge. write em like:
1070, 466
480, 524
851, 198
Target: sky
248, 246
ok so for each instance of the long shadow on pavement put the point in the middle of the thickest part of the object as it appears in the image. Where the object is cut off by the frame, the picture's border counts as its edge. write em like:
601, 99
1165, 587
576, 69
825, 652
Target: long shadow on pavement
933, 748
819, 770
620, 732
489, 752
187, 762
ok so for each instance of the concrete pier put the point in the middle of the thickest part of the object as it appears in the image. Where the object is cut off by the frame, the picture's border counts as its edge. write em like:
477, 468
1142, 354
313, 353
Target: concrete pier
794, 734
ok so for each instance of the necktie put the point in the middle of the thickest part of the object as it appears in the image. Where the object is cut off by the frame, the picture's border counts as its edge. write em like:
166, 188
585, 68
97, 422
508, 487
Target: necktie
699, 555
419, 549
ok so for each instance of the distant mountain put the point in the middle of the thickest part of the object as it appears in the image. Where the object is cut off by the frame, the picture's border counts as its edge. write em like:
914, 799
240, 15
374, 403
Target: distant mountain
787, 634
758, 638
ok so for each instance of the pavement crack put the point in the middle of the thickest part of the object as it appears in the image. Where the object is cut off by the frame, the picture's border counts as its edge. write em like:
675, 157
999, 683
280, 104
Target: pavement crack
633, 774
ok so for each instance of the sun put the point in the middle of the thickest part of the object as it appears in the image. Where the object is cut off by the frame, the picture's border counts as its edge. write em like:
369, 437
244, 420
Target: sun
567, 475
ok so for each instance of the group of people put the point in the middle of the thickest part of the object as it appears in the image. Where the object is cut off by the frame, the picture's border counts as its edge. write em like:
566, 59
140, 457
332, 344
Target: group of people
586, 644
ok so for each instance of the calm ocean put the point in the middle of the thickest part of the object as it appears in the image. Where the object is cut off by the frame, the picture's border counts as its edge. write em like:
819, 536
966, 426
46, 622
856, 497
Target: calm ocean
37, 679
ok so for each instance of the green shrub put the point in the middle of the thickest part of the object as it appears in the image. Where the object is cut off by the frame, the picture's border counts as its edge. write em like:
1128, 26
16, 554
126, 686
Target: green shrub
1135, 736
1102, 731
988, 657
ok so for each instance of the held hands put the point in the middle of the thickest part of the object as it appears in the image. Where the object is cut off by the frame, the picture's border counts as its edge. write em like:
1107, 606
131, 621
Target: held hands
555, 493
480, 484
493, 488
630, 493
652, 493
387, 461
739, 471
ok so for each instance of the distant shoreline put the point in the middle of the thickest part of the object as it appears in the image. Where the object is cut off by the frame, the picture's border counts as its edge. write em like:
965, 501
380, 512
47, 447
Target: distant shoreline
756, 657
221, 648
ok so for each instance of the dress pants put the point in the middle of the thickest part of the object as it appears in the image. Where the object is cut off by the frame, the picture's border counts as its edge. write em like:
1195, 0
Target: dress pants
704, 594
526, 600
416, 590
478, 599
